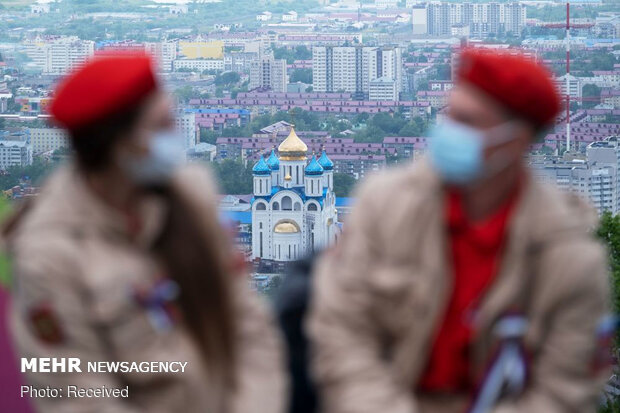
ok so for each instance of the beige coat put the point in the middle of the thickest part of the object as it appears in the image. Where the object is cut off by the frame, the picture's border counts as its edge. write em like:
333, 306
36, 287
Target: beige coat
379, 297
73, 254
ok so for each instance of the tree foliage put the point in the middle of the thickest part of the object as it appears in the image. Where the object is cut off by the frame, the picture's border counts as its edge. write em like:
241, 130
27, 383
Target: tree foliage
609, 232
233, 176
227, 79
592, 92
32, 173
343, 184
385, 124
291, 54
301, 75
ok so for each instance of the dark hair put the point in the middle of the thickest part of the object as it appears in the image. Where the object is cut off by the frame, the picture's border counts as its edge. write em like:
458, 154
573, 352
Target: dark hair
190, 246
93, 144
195, 250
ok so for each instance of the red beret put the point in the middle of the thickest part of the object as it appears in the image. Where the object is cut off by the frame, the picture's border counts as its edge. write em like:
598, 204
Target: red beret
101, 88
515, 81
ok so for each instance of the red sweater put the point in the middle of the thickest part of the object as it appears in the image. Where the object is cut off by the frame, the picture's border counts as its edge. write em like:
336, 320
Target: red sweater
475, 249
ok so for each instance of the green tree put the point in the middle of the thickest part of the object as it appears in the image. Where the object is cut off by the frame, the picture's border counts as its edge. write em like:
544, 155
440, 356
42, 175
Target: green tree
343, 184
227, 79
609, 232
416, 127
234, 177
185, 93
443, 72
34, 173
301, 75
593, 95
208, 136
361, 118
302, 53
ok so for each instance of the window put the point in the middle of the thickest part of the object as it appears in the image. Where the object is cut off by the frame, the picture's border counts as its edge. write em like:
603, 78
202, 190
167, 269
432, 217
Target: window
261, 207
312, 207
287, 203
297, 206
276, 206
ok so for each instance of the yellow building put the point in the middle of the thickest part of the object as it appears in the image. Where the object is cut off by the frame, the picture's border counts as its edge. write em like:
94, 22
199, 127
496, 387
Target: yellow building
202, 50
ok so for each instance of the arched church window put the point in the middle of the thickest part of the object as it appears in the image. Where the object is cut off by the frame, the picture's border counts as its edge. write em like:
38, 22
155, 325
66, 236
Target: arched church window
261, 206
312, 207
287, 203
297, 206
276, 206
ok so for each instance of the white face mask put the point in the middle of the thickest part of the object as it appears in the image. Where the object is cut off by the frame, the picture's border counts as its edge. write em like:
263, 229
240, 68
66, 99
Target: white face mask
166, 153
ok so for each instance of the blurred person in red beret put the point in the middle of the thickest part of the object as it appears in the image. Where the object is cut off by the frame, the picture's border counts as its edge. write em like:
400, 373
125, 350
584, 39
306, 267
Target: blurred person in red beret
460, 283
121, 258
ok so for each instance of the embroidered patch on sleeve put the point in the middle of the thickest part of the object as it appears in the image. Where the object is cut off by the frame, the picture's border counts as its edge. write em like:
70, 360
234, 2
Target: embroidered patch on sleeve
45, 324
603, 357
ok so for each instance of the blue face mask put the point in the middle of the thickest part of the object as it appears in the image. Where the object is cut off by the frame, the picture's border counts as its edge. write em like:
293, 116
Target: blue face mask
166, 152
457, 151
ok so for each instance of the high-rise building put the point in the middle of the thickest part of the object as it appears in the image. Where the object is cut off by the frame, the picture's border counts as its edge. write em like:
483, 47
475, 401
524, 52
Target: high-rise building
15, 153
514, 18
164, 52
484, 19
48, 139
419, 19
351, 68
383, 88
268, 73
58, 55
185, 123
596, 177
574, 86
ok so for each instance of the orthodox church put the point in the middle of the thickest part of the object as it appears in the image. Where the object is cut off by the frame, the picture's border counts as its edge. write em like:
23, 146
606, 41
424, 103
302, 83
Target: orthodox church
294, 205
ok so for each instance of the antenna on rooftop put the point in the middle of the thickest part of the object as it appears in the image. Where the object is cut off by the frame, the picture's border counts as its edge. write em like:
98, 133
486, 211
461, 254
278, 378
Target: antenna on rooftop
567, 39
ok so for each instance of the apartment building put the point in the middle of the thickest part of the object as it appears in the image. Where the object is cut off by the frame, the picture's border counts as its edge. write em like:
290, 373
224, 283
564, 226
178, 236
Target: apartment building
14, 153
58, 55
48, 139
199, 65
268, 73
595, 177
351, 69
477, 20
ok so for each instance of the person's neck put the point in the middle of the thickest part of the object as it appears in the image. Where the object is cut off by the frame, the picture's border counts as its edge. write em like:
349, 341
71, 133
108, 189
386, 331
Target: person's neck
484, 199
114, 189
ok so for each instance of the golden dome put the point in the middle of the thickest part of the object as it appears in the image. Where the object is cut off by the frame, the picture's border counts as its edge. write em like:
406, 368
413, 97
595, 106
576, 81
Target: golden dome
286, 227
292, 148
288, 178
